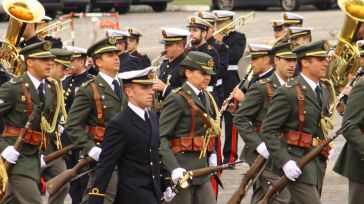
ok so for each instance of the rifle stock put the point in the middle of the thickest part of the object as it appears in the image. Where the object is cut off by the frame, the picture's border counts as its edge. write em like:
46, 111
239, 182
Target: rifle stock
56, 183
282, 182
52, 157
249, 175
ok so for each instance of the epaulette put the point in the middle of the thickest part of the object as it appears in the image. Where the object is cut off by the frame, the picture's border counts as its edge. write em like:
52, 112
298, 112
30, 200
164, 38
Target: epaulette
84, 84
266, 80
177, 89
16, 80
291, 83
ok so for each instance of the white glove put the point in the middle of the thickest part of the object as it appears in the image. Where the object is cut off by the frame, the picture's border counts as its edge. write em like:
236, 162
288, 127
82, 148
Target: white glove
213, 160
10, 154
177, 174
331, 154
42, 162
94, 153
60, 129
168, 195
262, 150
291, 170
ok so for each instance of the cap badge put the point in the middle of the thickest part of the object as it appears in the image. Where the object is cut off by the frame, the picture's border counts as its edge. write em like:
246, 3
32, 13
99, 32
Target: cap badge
326, 45
151, 74
210, 63
112, 40
47, 46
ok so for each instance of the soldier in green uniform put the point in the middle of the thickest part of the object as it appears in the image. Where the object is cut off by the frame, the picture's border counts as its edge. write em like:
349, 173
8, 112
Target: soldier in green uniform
182, 129
62, 62
96, 102
17, 100
291, 127
350, 162
249, 117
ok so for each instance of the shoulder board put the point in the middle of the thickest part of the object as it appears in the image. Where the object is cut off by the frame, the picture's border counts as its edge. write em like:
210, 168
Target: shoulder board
291, 83
177, 89
16, 80
90, 76
84, 84
266, 80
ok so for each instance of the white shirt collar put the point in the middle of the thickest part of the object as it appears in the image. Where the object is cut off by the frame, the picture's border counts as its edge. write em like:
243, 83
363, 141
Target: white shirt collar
311, 83
35, 81
109, 79
281, 81
194, 88
262, 74
140, 112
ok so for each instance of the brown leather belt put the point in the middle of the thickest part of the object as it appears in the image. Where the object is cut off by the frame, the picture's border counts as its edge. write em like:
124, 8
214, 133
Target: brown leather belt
97, 132
191, 144
31, 137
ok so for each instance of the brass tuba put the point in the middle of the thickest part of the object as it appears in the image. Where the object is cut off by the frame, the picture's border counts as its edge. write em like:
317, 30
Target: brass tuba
346, 58
21, 12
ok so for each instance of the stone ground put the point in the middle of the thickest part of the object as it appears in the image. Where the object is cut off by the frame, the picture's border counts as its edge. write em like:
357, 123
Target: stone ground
326, 24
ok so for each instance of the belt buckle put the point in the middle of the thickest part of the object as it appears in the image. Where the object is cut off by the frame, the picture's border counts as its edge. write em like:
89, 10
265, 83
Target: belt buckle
315, 141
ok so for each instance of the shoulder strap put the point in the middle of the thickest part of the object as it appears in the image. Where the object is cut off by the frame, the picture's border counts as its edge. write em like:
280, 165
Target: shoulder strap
301, 114
195, 109
98, 103
269, 91
28, 99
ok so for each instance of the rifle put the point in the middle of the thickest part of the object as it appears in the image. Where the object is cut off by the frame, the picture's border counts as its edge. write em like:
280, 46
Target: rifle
253, 172
230, 98
56, 183
17, 146
19, 142
52, 157
282, 182
189, 175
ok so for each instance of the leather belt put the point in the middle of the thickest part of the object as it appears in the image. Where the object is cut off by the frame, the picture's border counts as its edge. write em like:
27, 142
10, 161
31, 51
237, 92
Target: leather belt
191, 144
31, 137
97, 132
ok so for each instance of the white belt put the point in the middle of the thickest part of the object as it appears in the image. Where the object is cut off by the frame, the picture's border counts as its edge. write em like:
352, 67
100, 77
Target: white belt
219, 82
232, 67
210, 89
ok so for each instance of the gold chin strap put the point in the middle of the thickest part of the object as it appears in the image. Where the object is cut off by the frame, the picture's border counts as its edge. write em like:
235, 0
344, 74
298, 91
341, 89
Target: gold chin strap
215, 126
327, 122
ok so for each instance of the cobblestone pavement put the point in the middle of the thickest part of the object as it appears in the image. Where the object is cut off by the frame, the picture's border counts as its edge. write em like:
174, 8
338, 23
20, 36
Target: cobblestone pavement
326, 24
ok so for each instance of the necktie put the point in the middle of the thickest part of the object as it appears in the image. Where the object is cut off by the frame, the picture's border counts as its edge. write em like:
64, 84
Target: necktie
146, 118
117, 88
41, 93
319, 94
202, 98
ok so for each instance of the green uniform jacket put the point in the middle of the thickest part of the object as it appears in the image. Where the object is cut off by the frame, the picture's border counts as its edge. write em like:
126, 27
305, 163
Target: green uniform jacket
282, 116
84, 112
174, 122
13, 111
252, 112
351, 159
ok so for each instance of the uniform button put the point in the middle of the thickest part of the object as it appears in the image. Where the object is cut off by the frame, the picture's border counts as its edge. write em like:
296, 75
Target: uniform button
153, 176
150, 150
151, 163
98, 143
289, 148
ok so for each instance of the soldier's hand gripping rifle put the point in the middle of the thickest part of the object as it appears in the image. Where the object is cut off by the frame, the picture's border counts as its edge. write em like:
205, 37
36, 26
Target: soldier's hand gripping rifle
230, 98
282, 182
254, 172
190, 175
17, 146
56, 183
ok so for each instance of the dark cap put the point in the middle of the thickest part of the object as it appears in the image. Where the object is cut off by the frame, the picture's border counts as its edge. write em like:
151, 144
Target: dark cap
199, 61
103, 46
40, 50
314, 49
284, 50
62, 57
144, 76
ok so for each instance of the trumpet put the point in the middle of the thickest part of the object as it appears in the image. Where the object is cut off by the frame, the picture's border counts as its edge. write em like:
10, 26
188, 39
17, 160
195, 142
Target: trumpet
54, 28
236, 24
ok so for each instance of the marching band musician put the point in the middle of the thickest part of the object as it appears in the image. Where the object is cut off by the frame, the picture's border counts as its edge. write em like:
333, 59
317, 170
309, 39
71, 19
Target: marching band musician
252, 112
288, 116
174, 40
96, 102
183, 129
133, 44
17, 100
236, 43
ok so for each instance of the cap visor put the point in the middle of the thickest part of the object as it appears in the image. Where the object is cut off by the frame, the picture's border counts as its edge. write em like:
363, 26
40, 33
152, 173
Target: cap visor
46, 56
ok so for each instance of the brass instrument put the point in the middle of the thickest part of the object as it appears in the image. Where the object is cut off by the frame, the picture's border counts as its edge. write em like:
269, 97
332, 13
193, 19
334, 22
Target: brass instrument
54, 28
21, 12
346, 58
236, 24
157, 104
